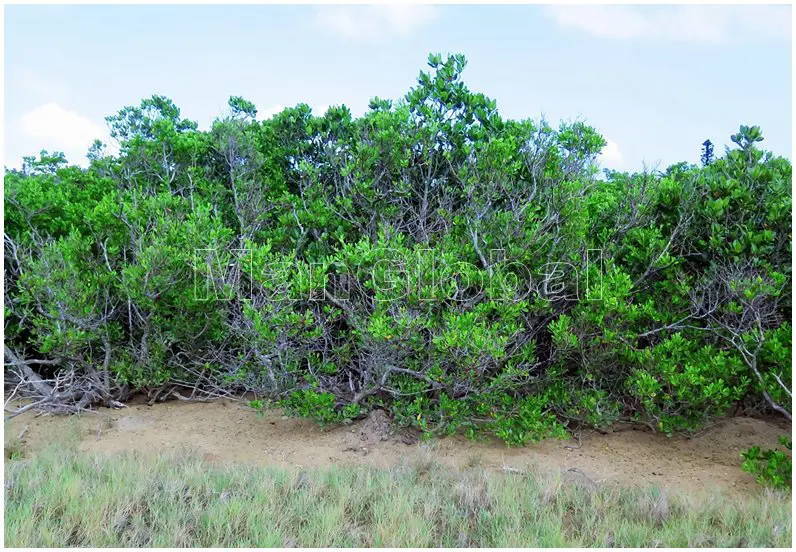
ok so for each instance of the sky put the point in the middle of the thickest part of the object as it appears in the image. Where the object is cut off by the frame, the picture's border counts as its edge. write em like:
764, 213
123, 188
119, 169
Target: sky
655, 81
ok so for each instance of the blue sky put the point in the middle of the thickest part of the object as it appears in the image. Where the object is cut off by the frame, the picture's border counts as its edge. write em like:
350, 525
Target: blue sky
655, 81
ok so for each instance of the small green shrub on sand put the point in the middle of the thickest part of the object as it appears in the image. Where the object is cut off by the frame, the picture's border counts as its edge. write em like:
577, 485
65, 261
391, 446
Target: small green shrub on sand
772, 467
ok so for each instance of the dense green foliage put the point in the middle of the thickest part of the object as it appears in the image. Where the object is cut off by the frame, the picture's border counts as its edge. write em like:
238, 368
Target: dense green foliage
772, 467
458, 269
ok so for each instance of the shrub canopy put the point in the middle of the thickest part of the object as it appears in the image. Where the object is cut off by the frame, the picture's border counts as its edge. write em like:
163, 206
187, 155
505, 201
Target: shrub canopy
431, 258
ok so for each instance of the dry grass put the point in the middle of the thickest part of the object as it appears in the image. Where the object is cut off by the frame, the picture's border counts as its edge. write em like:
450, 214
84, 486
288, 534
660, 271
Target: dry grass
61, 497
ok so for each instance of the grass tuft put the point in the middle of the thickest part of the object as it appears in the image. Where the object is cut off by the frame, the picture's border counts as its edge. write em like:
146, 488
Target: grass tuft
61, 497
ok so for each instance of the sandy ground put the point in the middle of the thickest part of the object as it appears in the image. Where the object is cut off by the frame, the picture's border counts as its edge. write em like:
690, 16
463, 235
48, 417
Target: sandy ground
227, 431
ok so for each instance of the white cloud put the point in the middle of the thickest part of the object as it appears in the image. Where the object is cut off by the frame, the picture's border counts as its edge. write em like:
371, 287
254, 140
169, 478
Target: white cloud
268, 112
55, 128
676, 23
365, 23
611, 156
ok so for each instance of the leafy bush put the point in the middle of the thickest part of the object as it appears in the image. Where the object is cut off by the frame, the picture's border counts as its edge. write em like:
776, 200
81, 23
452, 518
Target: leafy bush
771, 467
457, 269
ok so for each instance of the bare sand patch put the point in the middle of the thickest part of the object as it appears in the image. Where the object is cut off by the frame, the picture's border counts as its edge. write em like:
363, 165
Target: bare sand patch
228, 431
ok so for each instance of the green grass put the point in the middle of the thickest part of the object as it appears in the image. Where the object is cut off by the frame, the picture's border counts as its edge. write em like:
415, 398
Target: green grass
60, 497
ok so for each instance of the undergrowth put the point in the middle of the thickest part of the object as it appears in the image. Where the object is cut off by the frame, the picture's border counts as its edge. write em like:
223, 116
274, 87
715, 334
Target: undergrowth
771, 467
61, 497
